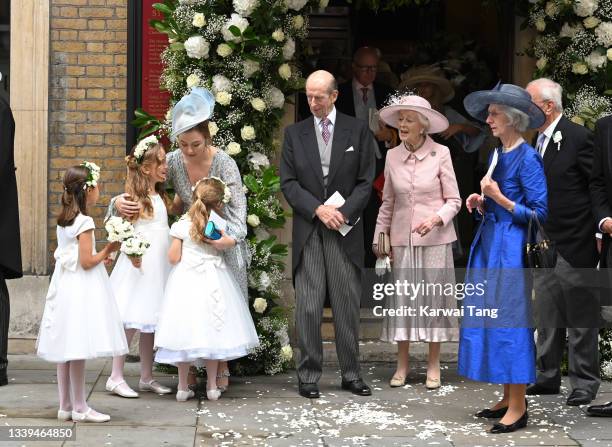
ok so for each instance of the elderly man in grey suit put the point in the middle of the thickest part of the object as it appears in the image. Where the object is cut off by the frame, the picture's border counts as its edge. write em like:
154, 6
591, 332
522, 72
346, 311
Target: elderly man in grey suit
325, 154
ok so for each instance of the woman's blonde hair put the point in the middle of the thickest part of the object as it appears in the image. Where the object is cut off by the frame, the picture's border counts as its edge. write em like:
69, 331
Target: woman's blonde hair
207, 195
137, 183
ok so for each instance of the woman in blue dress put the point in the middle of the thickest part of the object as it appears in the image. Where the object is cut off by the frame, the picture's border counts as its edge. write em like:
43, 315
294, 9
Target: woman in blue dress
496, 343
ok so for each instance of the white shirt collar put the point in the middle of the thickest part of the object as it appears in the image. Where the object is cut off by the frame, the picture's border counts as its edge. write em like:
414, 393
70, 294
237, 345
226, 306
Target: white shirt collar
358, 86
550, 129
331, 117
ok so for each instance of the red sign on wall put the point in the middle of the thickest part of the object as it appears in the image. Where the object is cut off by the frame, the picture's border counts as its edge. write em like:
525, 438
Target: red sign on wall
154, 100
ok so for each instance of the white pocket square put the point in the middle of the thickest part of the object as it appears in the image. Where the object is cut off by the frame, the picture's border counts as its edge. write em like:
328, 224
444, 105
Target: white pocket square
350, 149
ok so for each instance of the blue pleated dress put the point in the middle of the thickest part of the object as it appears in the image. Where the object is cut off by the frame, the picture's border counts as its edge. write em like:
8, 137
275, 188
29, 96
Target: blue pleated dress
502, 349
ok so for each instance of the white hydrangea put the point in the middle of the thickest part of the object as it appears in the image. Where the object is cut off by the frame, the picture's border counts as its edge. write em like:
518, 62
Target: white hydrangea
284, 71
224, 50
259, 305
258, 160
286, 353
233, 148
278, 35
289, 49
275, 98
239, 22
197, 47
596, 60
245, 7
258, 104
198, 20
253, 220
250, 67
212, 128
223, 98
193, 80
221, 84
247, 133
585, 8
298, 22
604, 34
591, 22
569, 31
296, 5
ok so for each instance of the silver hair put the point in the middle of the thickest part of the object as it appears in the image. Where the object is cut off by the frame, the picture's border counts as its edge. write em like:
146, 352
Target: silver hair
550, 91
517, 119
424, 121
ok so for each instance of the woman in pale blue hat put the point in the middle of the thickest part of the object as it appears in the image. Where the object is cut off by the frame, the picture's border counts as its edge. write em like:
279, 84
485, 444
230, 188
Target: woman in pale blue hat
500, 348
196, 159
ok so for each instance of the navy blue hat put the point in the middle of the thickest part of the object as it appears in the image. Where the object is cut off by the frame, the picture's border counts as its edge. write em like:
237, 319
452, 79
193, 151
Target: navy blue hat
477, 103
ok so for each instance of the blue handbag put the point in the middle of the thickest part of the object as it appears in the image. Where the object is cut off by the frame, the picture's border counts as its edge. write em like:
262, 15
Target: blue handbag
211, 232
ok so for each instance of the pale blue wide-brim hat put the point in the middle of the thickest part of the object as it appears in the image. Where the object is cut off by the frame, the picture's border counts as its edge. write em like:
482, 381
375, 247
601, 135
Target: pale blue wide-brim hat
191, 110
477, 103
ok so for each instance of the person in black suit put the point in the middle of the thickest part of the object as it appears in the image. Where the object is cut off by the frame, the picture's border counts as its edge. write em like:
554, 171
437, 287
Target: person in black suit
325, 154
360, 97
565, 305
10, 255
601, 186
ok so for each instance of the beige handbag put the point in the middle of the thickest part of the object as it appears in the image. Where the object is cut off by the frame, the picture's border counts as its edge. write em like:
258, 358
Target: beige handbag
384, 244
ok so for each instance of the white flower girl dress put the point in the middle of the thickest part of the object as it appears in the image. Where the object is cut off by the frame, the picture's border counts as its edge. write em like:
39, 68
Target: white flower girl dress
80, 320
204, 315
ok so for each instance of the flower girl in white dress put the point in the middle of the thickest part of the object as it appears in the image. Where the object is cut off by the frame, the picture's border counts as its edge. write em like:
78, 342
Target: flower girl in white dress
81, 320
204, 315
138, 283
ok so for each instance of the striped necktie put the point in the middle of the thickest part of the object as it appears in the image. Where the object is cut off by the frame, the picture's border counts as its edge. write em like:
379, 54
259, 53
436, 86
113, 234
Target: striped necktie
325, 133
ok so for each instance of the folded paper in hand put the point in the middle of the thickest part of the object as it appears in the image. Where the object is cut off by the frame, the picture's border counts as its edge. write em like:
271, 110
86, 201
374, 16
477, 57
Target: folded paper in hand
220, 222
337, 200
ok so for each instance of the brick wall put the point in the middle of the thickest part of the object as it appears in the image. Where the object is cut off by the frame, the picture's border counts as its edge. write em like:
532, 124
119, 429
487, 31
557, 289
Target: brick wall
87, 97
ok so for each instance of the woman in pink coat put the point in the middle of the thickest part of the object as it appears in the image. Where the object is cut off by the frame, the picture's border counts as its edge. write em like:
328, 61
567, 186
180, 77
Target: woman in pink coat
420, 199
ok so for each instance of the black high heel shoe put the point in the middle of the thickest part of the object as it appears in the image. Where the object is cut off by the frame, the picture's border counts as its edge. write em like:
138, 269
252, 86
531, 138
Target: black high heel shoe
521, 422
495, 414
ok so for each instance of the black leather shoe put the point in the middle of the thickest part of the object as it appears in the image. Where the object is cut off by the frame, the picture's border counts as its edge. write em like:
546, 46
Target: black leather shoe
536, 389
495, 414
3, 379
579, 397
357, 387
521, 422
604, 410
309, 390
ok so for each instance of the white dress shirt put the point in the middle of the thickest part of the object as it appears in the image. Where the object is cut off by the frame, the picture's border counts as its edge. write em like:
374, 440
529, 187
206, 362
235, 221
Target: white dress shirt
548, 133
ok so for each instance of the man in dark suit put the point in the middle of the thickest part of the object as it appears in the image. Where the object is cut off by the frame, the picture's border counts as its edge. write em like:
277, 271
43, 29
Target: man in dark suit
565, 305
327, 153
359, 97
10, 255
601, 186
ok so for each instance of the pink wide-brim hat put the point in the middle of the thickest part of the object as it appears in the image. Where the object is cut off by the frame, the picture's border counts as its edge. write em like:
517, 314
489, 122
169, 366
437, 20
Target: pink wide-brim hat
389, 114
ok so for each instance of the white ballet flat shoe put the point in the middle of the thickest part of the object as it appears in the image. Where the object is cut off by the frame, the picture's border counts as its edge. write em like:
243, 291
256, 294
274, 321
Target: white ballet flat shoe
213, 394
184, 396
154, 386
120, 388
64, 415
89, 417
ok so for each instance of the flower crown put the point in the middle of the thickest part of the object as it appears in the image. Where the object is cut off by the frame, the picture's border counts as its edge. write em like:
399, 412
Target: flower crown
227, 193
93, 174
143, 146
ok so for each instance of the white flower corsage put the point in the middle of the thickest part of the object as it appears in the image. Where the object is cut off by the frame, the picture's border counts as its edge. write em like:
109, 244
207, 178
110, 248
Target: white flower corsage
93, 174
143, 146
557, 137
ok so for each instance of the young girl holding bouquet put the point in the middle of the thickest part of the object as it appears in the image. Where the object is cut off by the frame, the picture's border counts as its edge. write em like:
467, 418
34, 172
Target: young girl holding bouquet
138, 281
80, 320
204, 315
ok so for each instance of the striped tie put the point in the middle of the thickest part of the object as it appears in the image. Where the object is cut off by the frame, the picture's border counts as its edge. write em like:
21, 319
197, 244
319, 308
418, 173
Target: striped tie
325, 122
540, 144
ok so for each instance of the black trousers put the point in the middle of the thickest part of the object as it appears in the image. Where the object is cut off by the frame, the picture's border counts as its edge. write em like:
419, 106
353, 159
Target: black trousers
5, 312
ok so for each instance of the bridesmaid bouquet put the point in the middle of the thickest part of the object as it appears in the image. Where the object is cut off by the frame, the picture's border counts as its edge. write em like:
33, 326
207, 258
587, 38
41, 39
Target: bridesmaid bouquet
135, 247
118, 229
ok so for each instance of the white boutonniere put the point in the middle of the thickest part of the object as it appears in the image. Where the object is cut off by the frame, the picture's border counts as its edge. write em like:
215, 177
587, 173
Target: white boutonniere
557, 137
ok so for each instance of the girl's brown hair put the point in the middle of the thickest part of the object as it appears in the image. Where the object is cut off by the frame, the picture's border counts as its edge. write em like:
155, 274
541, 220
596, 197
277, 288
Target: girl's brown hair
207, 195
74, 198
137, 183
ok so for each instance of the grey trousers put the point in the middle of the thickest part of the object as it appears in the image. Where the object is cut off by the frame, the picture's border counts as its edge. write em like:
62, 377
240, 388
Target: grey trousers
563, 301
4, 324
325, 270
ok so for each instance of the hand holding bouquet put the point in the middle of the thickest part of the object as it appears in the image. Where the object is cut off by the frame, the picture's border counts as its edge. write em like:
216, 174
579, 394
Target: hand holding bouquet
135, 247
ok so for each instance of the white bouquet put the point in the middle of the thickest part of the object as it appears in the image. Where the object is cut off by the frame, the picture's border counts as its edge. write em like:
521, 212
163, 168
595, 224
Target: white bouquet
135, 247
118, 229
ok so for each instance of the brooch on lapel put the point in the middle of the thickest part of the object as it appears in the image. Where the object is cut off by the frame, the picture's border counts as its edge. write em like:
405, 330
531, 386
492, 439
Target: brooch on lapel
433, 153
557, 137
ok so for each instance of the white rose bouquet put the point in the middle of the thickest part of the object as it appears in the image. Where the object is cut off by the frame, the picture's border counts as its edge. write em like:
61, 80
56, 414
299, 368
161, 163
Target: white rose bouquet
118, 229
135, 247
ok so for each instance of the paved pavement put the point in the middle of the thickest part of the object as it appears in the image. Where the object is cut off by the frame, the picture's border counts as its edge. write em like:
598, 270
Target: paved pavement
268, 411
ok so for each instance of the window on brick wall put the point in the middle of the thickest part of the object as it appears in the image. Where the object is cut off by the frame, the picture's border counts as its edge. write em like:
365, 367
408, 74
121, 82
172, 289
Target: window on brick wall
5, 46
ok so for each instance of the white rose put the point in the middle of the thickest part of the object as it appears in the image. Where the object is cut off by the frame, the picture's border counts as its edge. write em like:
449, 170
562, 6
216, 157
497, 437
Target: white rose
541, 63
296, 5
245, 7
258, 104
278, 35
261, 234
289, 49
585, 8
239, 22
258, 160
298, 22
253, 220
250, 67
224, 50
221, 84
284, 71
580, 68
212, 128
540, 25
604, 34
247, 133
223, 98
286, 353
192, 80
609, 54
590, 22
260, 305
198, 20
233, 148
197, 47
275, 98
323, 3
576, 119
596, 60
